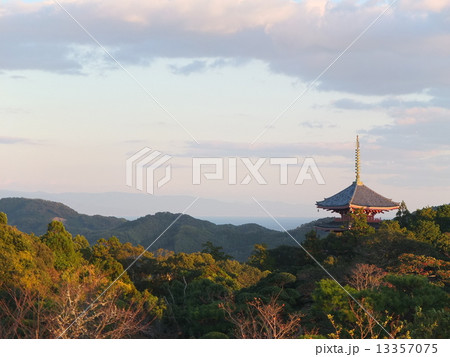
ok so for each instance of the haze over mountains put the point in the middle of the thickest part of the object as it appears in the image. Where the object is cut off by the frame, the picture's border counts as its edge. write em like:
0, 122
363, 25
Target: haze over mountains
133, 205
186, 235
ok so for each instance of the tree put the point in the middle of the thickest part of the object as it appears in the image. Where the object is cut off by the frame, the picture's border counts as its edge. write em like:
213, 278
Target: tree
443, 218
61, 243
403, 295
22, 313
425, 214
192, 308
367, 323
350, 318
429, 232
24, 260
358, 224
3, 218
84, 309
216, 251
313, 245
259, 320
403, 216
36, 301
391, 241
433, 324
215, 335
260, 258
436, 270
243, 275
331, 299
366, 276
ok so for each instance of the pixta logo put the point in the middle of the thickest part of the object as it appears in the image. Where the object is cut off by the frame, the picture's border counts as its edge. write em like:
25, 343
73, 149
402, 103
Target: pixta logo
253, 170
144, 163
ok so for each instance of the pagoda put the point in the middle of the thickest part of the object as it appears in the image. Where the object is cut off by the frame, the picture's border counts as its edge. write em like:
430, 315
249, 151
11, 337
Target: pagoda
357, 196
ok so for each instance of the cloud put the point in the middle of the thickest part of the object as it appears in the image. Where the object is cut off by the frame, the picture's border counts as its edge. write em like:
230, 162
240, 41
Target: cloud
387, 103
241, 149
194, 66
313, 124
198, 66
17, 76
8, 140
347, 103
416, 130
406, 51
12, 110
421, 5
413, 151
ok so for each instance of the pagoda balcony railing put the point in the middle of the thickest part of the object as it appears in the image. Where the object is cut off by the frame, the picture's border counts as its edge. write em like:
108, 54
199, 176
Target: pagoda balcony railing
369, 219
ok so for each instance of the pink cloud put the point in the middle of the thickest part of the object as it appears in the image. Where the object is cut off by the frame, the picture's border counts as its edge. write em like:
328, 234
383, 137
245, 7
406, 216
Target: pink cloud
412, 116
406, 51
424, 5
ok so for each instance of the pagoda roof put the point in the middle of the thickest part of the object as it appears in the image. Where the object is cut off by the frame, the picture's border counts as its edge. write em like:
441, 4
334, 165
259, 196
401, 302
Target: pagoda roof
357, 195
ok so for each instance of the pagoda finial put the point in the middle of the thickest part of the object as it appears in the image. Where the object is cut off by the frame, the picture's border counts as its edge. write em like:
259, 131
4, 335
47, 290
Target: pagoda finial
357, 164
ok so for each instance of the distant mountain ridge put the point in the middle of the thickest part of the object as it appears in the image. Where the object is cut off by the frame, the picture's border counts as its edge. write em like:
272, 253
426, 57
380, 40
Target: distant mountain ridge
33, 216
132, 205
187, 234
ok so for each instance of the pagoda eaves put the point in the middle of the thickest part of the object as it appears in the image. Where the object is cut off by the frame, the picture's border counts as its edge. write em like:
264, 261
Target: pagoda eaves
357, 196
354, 197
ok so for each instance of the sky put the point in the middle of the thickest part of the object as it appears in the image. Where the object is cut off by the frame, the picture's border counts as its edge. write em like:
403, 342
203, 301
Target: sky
85, 84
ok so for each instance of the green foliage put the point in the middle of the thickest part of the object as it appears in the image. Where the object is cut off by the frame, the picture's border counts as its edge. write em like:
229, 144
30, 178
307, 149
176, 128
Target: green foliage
314, 245
104, 255
432, 324
215, 335
391, 241
261, 258
427, 231
33, 215
430, 225
186, 235
24, 260
193, 308
359, 225
61, 243
46, 282
3, 218
436, 270
425, 214
405, 294
280, 279
80, 243
280, 285
285, 258
243, 275
331, 299
409, 304
443, 218
403, 216
309, 336
216, 252
342, 247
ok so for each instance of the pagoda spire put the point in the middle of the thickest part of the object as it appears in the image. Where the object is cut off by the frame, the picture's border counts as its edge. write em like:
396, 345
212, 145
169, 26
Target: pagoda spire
357, 163
354, 197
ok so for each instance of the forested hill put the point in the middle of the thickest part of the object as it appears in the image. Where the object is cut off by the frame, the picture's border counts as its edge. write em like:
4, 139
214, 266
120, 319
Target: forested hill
34, 215
187, 235
398, 275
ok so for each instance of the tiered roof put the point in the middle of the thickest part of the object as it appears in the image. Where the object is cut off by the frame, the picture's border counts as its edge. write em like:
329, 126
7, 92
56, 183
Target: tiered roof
357, 195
